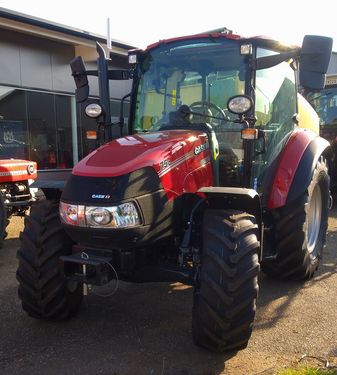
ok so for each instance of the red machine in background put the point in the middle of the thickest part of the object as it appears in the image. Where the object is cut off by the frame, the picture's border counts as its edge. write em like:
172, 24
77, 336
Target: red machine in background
15, 197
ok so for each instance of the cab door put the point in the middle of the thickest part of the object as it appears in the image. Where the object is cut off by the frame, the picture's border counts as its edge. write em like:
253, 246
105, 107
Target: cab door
275, 107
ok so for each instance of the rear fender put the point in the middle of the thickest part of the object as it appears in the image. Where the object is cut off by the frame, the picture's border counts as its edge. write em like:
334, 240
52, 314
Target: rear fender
295, 168
317, 148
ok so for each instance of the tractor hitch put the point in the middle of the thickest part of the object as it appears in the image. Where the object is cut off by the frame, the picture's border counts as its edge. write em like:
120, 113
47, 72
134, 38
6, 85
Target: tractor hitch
88, 268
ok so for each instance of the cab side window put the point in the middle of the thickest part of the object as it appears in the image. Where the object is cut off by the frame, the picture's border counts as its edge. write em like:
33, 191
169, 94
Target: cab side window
275, 94
275, 105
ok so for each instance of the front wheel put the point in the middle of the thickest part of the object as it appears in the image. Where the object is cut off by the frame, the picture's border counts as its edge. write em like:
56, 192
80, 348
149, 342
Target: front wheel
44, 292
298, 231
227, 282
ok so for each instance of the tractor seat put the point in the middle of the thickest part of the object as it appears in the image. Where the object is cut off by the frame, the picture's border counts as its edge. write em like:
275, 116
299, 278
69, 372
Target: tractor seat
179, 119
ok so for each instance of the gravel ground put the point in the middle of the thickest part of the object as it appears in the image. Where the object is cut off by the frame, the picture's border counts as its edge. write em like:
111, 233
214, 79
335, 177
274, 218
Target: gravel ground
146, 328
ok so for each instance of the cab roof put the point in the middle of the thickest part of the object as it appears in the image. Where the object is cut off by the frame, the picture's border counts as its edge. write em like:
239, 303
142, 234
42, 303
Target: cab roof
261, 40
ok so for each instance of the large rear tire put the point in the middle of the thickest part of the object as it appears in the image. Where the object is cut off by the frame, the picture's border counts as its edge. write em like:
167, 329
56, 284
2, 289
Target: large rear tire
44, 292
298, 231
227, 281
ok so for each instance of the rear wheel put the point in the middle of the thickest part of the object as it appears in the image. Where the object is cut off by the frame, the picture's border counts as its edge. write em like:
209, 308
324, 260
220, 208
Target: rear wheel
227, 282
298, 232
44, 292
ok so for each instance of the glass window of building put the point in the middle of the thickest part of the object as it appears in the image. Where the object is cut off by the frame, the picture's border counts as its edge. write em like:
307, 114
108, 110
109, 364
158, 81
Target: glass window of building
42, 129
64, 129
36, 126
48, 128
13, 124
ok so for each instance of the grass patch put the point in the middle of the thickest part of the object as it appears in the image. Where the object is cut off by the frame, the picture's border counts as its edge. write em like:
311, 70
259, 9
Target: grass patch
308, 371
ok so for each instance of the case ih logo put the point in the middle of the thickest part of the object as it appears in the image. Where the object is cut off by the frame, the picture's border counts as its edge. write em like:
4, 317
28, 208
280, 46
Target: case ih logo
100, 196
201, 148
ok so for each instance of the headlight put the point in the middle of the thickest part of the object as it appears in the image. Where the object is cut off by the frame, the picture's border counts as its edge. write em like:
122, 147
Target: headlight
122, 216
72, 214
31, 169
132, 59
126, 215
239, 104
93, 110
98, 216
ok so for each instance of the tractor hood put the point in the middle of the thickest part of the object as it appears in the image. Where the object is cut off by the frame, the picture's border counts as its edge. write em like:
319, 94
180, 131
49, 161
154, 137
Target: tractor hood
158, 150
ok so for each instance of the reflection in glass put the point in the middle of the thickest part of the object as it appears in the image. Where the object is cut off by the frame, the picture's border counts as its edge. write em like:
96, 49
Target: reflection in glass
13, 124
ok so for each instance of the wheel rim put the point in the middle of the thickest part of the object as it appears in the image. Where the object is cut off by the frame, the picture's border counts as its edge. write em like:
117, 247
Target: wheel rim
314, 218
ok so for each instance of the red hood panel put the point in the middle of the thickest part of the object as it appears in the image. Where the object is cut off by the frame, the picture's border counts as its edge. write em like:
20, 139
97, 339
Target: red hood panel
181, 159
12, 170
133, 152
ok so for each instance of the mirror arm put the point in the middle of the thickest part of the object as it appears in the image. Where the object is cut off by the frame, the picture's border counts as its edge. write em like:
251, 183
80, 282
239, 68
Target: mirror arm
121, 116
85, 73
119, 74
266, 62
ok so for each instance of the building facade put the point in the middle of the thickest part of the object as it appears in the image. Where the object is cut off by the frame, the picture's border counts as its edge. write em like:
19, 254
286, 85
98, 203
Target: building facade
39, 117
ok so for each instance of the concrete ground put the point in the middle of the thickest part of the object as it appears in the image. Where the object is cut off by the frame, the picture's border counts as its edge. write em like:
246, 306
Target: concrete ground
146, 328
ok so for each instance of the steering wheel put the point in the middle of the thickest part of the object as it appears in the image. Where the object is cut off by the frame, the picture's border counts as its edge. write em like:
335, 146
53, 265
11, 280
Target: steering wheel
207, 109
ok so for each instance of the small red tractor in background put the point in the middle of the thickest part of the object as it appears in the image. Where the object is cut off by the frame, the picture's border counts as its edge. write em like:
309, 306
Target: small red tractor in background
15, 195
220, 170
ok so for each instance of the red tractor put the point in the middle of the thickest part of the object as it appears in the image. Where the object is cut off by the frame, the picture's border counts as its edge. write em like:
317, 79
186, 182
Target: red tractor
219, 170
15, 195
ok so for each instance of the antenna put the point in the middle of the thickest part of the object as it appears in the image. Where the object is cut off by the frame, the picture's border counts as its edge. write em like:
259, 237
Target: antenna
108, 36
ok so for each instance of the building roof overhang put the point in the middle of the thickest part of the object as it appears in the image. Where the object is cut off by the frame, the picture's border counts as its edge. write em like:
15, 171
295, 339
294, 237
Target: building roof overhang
27, 24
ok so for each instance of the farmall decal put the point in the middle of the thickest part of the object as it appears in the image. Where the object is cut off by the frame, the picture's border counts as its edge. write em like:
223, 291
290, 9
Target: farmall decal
167, 165
164, 164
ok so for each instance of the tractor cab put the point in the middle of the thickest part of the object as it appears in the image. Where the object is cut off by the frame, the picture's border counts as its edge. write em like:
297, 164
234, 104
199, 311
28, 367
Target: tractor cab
187, 85
241, 91
192, 82
245, 90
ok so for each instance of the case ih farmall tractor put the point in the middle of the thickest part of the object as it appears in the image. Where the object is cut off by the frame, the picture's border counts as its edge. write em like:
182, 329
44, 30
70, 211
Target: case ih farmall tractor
219, 170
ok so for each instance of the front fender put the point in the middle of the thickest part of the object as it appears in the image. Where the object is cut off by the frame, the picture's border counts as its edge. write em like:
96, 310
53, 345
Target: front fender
51, 182
247, 200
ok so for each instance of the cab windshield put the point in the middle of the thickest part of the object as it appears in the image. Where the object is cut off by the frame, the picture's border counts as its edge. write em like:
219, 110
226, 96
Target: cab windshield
189, 82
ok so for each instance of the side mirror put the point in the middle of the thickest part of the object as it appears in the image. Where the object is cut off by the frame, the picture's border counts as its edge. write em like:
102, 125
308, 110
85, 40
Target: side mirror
80, 78
314, 61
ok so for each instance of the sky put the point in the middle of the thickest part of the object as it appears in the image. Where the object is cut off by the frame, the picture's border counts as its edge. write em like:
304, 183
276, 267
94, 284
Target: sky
143, 22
